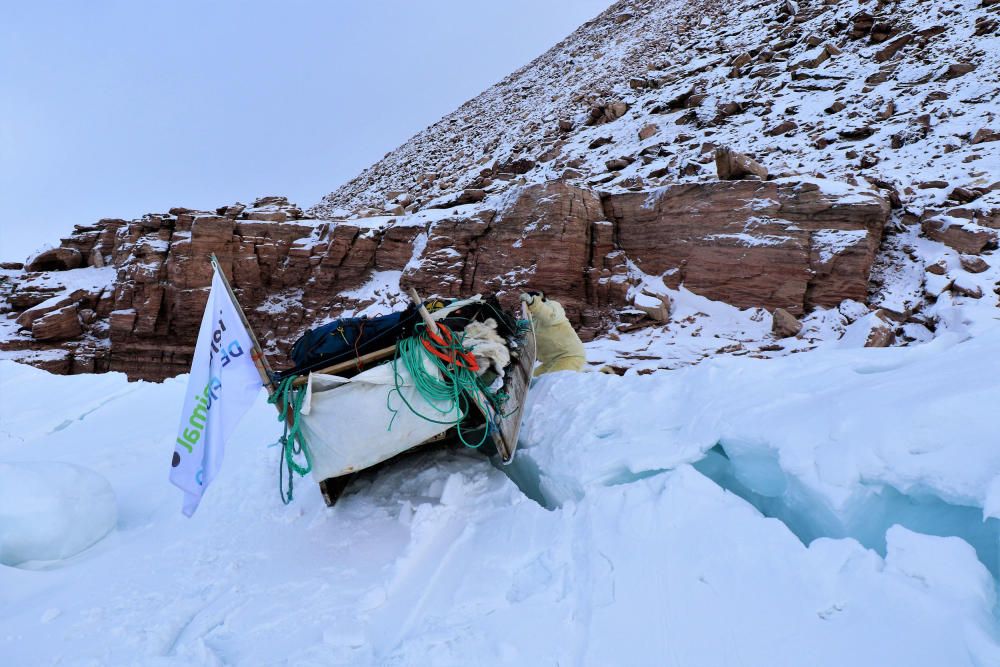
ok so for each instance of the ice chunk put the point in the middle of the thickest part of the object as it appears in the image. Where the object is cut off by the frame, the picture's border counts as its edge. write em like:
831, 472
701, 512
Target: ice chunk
946, 565
831, 443
574, 437
51, 511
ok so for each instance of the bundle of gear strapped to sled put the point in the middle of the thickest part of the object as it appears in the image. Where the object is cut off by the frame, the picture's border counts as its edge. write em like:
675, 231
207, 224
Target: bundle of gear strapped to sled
365, 389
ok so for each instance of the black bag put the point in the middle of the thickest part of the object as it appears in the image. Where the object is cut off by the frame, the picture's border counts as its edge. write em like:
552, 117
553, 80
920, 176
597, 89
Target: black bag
349, 338
481, 311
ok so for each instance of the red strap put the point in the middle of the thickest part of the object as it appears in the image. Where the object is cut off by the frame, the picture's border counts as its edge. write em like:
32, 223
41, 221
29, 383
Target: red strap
461, 359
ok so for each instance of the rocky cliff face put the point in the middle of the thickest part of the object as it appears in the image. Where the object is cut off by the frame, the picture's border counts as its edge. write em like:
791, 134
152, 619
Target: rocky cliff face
825, 164
789, 245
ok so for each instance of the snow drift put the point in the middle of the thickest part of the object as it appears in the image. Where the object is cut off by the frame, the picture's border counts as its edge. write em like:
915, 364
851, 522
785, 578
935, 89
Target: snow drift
618, 544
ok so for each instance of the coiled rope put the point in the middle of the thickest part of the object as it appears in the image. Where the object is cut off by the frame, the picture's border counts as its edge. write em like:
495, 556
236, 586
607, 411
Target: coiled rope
455, 387
450, 389
289, 400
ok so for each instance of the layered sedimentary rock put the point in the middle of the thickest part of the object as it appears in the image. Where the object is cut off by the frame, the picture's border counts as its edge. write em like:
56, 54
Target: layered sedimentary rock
629, 114
751, 243
128, 295
899, 96
538, 236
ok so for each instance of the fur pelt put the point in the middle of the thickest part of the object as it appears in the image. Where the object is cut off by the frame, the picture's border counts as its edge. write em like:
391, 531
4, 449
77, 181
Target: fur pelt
487, 346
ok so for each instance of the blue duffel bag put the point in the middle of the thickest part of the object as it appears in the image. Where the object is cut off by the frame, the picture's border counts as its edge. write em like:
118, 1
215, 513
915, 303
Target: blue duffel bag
349, 338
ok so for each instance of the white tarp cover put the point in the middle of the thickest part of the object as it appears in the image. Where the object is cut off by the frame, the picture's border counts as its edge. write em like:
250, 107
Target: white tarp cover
346, 421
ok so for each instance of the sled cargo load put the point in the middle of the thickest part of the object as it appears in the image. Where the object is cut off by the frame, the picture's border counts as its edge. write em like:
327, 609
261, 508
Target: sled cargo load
361, 390
364, 390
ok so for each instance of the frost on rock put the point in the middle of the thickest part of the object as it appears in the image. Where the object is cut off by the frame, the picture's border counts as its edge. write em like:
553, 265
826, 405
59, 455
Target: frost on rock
51, 511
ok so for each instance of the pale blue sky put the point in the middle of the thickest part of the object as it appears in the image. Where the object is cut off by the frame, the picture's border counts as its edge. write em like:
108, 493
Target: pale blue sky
115, 109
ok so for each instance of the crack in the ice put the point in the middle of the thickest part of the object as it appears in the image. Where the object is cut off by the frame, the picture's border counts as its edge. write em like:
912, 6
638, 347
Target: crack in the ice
611, 577
172, 648
778, 495
524, 473
66, 423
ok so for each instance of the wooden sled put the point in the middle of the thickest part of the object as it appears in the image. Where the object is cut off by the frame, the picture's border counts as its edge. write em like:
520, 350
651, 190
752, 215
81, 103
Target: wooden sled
503, 426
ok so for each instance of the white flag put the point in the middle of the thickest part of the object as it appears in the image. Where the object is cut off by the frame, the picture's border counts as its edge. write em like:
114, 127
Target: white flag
224, 384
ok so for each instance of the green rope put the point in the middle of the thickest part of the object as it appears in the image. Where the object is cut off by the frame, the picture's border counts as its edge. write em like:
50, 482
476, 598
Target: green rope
289, 400
453, 386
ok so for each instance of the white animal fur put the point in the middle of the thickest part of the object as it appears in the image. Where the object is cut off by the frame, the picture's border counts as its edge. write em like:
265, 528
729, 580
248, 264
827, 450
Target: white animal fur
487, 346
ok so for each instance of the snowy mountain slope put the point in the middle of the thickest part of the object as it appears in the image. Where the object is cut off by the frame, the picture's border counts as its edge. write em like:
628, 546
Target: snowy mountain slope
899, 95
638, 557
900, 92
896, 96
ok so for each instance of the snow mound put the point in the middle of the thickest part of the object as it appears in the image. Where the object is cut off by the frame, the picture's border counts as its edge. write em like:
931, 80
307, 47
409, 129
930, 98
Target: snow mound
51, 511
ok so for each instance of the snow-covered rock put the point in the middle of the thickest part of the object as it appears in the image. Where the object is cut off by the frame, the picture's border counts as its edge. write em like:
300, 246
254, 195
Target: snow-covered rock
901, 93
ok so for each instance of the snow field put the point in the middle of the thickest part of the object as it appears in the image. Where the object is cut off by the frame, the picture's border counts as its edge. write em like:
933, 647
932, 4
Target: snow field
639, 556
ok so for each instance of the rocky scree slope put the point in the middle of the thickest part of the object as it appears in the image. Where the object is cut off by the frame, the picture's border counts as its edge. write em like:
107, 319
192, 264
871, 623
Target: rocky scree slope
901, 94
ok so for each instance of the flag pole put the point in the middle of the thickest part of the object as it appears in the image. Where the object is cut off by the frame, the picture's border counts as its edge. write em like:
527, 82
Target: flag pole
259, 360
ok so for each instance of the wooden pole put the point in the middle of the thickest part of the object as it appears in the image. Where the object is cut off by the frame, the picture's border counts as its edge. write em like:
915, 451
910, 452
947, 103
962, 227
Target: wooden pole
424, 315
350, 363
257, 354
